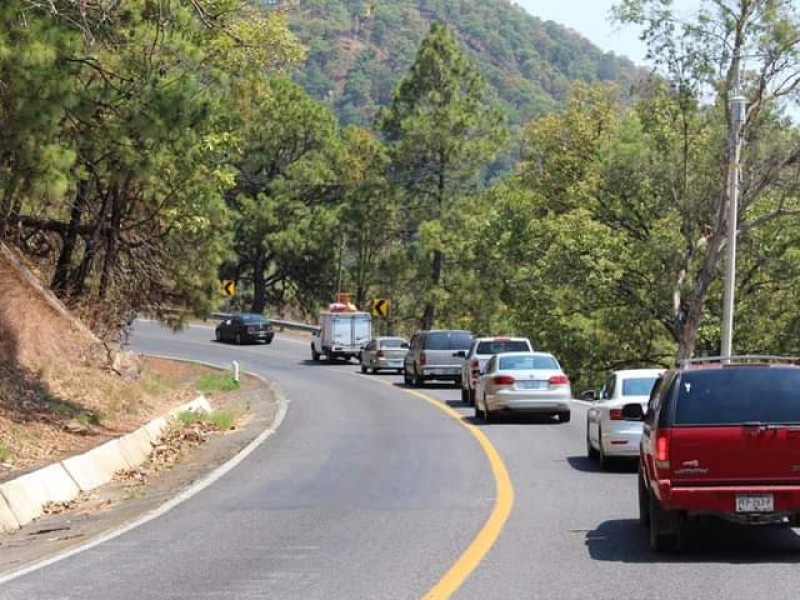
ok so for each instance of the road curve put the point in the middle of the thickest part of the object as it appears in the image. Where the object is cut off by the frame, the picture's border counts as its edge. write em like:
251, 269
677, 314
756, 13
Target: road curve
368, 492
364, 492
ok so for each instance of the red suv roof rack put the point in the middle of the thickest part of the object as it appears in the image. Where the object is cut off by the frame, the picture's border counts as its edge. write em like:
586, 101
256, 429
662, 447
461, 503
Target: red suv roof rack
744, 359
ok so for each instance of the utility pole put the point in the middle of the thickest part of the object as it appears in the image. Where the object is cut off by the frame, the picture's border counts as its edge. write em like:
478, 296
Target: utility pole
737, 105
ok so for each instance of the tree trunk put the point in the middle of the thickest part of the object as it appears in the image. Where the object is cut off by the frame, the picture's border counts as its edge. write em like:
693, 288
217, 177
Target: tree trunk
429, 315
259, 286
364, 260
80, 275
694, 315
5, 208
70, 239
110, 258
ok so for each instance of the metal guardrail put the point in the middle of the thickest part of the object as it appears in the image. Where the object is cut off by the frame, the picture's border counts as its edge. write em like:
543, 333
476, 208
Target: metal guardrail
276, 322
294, 325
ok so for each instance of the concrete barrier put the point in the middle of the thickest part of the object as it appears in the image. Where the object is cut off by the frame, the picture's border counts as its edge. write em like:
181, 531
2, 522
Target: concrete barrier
8, 522
22, 499
155, 429
136, 447
27, 495
199, 404
97, 466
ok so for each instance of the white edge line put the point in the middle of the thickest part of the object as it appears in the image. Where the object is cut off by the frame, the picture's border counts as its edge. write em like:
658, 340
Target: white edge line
283, 409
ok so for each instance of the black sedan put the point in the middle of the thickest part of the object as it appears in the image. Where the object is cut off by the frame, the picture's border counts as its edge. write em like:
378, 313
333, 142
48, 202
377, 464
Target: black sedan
245, 328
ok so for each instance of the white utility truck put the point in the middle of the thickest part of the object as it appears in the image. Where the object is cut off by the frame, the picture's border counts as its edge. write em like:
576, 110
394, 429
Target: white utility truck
342, 332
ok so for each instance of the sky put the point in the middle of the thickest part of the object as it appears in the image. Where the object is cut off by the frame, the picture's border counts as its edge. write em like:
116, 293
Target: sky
590, 18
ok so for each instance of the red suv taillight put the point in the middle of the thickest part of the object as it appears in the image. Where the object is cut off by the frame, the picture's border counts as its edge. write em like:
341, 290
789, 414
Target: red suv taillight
559, 380
503, 380
380, 354
662, 449
251, 329
615, 414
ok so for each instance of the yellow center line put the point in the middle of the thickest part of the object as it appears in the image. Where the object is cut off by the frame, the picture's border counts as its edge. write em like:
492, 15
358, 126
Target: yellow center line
504, 499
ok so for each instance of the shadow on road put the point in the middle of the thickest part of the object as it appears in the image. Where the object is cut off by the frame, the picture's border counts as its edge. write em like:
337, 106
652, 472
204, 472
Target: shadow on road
588, 465
708, 541
234, 344
429, 386
382, 373
327, 363
513, 419
456, 404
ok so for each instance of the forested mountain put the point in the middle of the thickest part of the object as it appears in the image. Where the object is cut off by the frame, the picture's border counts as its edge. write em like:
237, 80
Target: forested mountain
359, 49
148, 150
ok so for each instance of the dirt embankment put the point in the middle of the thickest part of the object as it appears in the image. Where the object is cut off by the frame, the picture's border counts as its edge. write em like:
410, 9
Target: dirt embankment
61, 389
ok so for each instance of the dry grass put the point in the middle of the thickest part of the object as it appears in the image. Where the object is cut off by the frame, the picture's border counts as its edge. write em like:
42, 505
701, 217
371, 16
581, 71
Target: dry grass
55, 413
35, 330
59, 392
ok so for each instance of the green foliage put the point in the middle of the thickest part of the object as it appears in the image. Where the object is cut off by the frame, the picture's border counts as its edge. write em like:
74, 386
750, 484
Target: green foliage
5, 452
210, 383
701, 57
357, 51
222, 420
442, 133
117, 141
285, 198
144, 154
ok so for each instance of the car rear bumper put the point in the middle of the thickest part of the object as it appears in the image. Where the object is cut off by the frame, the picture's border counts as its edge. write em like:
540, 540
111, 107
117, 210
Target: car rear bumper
261, 336
442, 372
516, 401
619, 443
721, 500
388, 363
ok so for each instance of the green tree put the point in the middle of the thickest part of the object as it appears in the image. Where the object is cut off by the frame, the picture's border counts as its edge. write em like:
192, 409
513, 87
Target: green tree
369, 215
442, 132
286, 194
757, 42
114, 175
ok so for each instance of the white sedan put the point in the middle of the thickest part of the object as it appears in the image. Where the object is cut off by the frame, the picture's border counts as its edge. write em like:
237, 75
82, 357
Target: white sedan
608, 434
531, 382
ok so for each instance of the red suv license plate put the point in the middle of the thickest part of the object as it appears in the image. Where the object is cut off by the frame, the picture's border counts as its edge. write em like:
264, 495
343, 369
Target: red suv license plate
755, 503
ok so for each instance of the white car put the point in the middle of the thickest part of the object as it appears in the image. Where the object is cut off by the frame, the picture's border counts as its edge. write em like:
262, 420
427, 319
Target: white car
478, 355
531, 382
608, 434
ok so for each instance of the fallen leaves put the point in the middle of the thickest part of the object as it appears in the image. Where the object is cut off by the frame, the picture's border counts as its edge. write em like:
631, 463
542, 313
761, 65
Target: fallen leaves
173, 446
56, 508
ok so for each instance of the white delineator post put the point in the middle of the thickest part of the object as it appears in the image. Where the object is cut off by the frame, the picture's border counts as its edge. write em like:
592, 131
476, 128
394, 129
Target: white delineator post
236, 371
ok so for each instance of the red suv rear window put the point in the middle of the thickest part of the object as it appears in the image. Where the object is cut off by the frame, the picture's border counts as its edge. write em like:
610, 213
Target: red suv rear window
733, 395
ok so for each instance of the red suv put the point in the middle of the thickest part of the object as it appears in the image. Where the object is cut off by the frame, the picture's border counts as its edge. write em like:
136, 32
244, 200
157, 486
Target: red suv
721, 437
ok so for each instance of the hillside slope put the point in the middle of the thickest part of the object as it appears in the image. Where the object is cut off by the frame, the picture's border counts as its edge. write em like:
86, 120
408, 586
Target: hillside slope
359, 49
58, 392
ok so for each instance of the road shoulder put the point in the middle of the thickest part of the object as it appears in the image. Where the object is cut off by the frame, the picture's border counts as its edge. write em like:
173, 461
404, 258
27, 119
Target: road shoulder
127, 500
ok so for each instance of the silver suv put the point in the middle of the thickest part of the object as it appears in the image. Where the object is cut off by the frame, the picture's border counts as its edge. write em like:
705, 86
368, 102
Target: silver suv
436, 354
475, 359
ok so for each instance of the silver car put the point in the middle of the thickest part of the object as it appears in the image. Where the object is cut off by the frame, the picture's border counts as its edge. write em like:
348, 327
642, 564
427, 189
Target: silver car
478, 355
384, 353
608, 434
436, 354
530, 382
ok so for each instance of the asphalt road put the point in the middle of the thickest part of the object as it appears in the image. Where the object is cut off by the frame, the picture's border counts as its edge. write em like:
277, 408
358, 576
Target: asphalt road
368, 492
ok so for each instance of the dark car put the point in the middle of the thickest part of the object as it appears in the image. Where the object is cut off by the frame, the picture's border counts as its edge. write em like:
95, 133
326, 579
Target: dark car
245, 328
